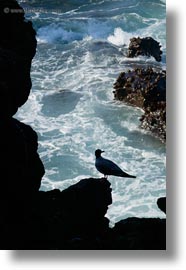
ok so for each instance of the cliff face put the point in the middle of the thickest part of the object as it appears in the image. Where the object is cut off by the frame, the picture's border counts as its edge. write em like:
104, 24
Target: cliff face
17, 48
21, 169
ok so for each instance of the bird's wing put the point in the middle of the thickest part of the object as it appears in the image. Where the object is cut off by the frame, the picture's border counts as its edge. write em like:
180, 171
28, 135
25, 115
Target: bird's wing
110, 167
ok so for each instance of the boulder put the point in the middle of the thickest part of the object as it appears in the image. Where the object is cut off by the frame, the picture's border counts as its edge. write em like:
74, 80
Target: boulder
144, 46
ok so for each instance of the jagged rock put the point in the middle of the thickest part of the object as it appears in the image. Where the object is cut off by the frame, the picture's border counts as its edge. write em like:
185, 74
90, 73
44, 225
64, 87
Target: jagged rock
75, 216
69, 219
75, 219
140, 234
86, 203
144, 46
145, 88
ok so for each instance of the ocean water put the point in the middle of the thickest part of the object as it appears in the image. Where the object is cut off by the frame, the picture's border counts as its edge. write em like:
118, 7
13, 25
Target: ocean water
81, 51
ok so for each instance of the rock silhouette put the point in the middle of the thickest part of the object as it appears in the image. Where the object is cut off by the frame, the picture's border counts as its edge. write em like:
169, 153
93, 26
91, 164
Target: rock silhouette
21, 168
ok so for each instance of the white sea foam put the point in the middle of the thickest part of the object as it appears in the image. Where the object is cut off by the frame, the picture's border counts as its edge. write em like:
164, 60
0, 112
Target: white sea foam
79, 30
53, 32
120, 37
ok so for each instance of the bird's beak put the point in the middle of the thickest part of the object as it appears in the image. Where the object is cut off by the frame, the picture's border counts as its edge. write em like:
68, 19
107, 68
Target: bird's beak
102, 151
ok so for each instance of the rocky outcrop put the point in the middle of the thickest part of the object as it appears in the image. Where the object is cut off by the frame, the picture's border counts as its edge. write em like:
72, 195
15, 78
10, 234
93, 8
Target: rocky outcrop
140, 234
144, 46
75, 219
145, 88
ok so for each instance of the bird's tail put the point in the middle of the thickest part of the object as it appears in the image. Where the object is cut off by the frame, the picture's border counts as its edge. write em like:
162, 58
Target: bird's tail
127, 175
131, 176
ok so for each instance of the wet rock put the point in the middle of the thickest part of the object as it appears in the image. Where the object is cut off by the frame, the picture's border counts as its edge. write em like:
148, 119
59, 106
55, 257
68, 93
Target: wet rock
144, 46
145, 88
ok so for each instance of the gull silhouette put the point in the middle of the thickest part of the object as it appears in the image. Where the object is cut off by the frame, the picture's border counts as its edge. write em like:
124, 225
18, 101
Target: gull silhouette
108, 167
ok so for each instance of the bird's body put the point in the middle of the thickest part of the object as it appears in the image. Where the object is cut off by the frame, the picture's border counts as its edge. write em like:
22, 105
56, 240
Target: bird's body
108, 167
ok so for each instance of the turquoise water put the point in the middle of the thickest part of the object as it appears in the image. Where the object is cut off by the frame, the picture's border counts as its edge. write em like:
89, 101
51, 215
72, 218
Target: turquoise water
81, 51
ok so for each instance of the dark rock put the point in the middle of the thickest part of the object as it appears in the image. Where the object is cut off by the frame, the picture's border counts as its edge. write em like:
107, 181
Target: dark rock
145, 88
17, 48
144, 46
75, 213
161, 202
85, 205
75, 219
69, 219
21, 168
140, 234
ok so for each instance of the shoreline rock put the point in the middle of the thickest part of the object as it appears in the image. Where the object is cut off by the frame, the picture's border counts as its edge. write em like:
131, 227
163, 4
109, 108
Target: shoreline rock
144, 46
145, 88
140, 234
75, 219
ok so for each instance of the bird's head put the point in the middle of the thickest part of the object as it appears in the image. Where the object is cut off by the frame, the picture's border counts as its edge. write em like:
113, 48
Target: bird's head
98, 153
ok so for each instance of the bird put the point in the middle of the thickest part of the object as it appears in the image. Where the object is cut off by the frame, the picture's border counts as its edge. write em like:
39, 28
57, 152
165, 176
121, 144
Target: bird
108, 167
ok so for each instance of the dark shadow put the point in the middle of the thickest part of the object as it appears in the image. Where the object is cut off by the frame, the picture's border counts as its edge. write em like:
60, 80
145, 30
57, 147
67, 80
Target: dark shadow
172, 158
